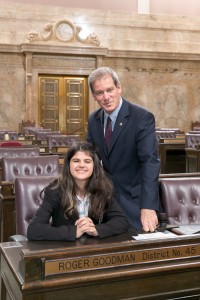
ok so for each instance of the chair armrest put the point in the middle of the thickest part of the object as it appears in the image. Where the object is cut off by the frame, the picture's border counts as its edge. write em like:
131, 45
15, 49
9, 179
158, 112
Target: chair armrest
17, 238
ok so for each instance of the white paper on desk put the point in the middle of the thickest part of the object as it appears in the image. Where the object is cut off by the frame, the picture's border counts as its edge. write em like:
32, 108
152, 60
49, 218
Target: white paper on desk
155, 235
10, 244
188, 229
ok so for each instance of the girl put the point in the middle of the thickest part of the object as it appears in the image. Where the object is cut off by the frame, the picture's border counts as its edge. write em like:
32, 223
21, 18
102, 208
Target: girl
80, 202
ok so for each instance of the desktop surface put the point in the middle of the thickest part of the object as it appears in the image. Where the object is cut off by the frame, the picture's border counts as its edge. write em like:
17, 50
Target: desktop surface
117, 267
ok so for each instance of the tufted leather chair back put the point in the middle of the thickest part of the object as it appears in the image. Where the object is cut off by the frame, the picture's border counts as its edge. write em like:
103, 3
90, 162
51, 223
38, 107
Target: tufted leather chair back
19, 151
28, 199
61, 140
194, 132
166, 134
177, 130
42, 135
31, 129
30, 166
192, 140
180, 198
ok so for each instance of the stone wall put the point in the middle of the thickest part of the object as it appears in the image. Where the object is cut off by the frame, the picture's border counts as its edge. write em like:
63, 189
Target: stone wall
157, 58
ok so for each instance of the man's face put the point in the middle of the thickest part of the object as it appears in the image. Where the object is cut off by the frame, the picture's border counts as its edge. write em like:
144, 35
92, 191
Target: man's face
106, 93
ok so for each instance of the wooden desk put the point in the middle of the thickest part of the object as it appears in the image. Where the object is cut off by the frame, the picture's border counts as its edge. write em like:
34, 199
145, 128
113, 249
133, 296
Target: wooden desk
172, 156
61, 152
110, 269
192, 160
7, 211
176, 175
57, 150
44, 150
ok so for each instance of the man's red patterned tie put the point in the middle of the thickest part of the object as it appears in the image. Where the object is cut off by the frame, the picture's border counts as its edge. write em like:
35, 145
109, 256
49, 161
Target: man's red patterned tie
108, 131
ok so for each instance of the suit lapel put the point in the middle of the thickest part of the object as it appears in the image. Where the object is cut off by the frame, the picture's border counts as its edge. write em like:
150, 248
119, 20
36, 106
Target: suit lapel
100, 130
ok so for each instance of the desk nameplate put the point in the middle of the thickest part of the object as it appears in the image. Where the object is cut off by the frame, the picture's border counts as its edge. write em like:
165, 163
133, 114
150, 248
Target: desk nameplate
126, 258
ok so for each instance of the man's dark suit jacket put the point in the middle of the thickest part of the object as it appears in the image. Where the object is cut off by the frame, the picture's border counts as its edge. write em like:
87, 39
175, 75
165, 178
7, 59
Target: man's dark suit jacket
131, 159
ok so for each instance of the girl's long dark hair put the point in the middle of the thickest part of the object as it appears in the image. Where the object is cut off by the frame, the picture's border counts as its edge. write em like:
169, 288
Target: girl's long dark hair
99, 188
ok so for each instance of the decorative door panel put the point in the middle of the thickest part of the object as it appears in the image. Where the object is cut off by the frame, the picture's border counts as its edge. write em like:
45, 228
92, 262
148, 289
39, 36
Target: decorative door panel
75, 89
49, 92
63, 104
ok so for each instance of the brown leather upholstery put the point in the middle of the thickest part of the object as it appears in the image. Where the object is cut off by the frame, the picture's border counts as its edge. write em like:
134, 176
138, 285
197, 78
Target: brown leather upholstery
19, 151
61, 140
16, 152
194, 132
177, 130
42, 135
31, 129
28, 199
30, 166
192, 140
165, 134
181, 199
41, 166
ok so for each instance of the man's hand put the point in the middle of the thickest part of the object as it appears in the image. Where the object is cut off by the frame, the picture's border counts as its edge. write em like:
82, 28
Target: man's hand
85, 225
149, 219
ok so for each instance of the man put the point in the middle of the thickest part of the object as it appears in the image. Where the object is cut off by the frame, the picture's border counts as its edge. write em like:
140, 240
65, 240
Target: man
131, 157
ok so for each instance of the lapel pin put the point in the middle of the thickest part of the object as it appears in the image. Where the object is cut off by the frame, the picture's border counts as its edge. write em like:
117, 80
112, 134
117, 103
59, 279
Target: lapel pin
120, 124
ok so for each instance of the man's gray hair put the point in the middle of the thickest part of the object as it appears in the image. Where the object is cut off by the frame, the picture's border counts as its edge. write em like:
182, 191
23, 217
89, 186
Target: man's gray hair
99, 73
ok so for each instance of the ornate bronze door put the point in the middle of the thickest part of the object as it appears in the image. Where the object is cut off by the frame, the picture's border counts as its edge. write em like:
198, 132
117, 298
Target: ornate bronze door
63, 104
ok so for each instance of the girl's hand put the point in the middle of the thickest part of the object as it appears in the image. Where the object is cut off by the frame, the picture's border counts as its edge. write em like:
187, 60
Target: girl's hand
85, 225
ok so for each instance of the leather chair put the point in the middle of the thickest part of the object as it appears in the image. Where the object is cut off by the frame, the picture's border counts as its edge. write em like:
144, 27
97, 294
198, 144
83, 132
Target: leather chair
166, 134
31, 129
192, 140
180, 198
21, 167
41, 136
29, 166
61, 140
194, 131
177, 130
22, 151
16, 152
28, 199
